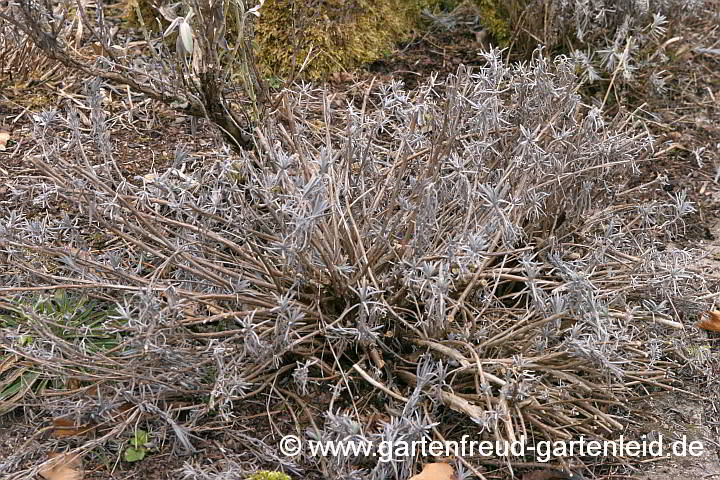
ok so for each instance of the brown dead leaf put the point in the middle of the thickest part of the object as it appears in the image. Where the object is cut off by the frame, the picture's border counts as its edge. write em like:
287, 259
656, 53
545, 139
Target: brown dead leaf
341, 77
150, 177
377, 358
122, 412
73, 383
67, 466
548, 474
711, 323
435, 471
92, 390
65, 427
191, 310
4, 137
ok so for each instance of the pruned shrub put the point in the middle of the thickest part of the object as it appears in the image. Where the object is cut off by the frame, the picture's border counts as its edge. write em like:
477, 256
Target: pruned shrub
465, 253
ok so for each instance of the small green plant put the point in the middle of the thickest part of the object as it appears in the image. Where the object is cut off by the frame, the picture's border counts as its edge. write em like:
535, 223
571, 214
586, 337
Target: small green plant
64, 315
138, 446
275, 82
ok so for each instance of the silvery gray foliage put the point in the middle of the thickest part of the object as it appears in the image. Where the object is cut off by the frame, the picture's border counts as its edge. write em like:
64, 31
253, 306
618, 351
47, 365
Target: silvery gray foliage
615, 20
403, 430
411, 426
229, 383
617, 38
468, 210
607, 38
232, 466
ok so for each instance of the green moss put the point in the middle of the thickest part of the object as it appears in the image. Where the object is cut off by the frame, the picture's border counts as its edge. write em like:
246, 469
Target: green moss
139, 12
496, 19
508, 23
266, 475
335, 35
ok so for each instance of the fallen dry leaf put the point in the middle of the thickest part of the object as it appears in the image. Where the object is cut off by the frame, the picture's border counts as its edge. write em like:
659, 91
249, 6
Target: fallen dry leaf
65, 427
150, 177
4, 137
549, 474
711, 323
67, 466
341, 77
435, 471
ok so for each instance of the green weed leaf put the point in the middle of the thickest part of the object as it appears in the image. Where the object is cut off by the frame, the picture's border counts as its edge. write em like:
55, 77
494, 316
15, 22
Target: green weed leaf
134, 454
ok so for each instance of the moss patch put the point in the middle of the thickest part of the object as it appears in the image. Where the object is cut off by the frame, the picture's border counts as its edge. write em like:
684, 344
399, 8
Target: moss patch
336, 34
495, 17
265, 475
521, 23
146, 15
